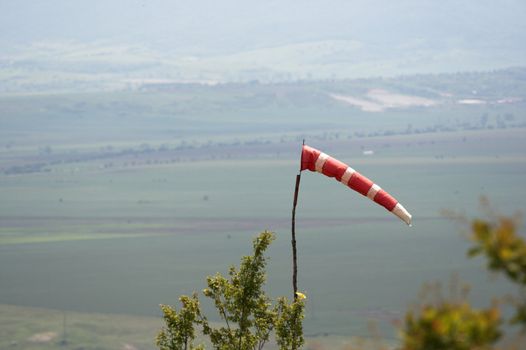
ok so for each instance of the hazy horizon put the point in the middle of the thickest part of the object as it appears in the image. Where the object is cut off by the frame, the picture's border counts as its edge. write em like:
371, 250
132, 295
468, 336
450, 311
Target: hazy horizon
81, 45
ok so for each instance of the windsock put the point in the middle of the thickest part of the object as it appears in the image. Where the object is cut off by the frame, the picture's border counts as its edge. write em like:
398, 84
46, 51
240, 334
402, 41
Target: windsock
315, 160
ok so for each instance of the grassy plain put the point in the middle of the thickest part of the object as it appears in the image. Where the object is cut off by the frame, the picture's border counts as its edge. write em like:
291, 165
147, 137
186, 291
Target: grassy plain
37, 328
113, 203
123, 241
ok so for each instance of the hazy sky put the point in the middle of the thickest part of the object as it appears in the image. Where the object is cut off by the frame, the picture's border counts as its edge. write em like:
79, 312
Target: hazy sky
239, 24
50, 42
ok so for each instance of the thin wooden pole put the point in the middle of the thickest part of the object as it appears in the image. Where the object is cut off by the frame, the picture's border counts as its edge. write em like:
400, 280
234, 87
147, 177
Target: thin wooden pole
294, 252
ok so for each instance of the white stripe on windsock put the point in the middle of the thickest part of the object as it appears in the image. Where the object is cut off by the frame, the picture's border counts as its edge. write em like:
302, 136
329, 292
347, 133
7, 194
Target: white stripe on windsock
320, 162
347, 175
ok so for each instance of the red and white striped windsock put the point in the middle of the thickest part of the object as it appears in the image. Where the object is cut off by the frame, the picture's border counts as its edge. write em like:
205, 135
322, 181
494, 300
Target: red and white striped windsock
314, 160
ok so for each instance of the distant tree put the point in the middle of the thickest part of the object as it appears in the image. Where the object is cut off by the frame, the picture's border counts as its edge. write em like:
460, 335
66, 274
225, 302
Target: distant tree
46, 150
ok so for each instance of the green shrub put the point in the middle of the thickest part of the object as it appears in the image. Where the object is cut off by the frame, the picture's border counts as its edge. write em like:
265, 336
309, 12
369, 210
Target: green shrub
248, 316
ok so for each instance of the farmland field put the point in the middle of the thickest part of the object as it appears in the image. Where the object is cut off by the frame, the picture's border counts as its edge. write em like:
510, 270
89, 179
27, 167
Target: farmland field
124, 241
113, 214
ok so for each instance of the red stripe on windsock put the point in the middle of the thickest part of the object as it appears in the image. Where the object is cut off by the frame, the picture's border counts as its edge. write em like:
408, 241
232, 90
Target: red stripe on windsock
309, 156
385, 200
334, 168
360, 183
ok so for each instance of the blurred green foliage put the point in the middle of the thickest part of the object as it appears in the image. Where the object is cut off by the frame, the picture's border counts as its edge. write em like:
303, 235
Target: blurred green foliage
504, 249
453, 323
499, 241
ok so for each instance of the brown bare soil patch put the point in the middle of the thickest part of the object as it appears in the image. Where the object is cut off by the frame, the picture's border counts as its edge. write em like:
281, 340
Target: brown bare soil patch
44, 337
378, 100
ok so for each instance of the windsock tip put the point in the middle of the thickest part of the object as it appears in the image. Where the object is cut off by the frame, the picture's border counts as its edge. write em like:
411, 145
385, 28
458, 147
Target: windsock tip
403, 214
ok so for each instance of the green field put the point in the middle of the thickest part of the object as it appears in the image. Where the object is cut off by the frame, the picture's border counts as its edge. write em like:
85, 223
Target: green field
109, 208
123, 241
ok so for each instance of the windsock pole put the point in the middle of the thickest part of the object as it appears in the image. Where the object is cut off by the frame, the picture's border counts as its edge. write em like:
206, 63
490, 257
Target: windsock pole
294, 252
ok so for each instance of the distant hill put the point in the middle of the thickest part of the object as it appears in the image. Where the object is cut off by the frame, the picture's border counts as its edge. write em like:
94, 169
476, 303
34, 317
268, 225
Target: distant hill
108, 45
156, 114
